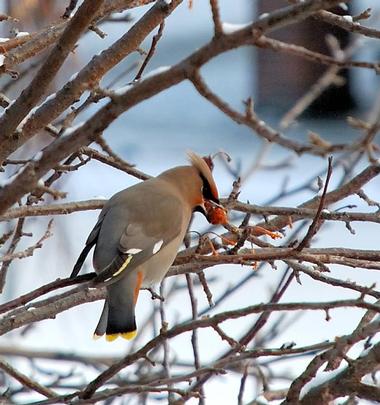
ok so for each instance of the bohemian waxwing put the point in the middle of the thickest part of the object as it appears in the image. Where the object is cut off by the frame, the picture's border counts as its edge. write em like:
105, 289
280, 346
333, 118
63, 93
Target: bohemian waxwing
137, 236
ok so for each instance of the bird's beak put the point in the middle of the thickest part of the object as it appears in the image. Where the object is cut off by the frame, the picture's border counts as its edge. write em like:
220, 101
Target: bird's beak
216, 214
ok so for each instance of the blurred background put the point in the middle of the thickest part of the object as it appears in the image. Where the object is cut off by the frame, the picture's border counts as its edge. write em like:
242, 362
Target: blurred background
156, 134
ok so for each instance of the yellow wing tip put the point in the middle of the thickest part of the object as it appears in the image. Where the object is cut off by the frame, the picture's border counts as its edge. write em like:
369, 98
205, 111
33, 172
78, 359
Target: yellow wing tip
125, 335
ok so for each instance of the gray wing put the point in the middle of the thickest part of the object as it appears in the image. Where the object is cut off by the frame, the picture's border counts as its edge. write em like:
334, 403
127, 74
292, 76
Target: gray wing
129, 236
90, 242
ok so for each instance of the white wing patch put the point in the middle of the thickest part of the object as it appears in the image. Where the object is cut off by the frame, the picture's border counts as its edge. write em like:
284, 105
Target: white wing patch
157, 246
133, 251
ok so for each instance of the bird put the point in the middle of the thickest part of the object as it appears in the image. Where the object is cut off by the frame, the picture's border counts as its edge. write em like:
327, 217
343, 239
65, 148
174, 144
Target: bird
138, 234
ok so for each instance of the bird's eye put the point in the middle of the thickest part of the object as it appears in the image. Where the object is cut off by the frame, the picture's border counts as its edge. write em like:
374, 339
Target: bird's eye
206, 192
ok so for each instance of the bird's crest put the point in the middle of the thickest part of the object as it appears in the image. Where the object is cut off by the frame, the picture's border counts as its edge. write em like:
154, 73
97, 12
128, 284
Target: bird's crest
204, 170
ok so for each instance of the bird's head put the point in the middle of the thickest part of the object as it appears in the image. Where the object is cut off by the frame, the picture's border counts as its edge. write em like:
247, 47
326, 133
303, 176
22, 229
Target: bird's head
197, 187
208, 197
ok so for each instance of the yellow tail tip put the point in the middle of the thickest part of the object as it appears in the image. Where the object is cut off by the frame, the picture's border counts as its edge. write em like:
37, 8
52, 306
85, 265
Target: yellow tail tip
129, 335
125, 335
111, 338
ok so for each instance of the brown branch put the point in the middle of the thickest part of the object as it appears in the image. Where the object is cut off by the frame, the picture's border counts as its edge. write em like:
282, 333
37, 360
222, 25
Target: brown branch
318, 361
330, 77
88, 77
40, 41
316, 274
343, 216
17, 235
14, 42
315, 224
145, 89
263, 318
302, 52
53, 209
343, 23
324, 255
116, 163
342, 347
371, 130
348, 381
242, 386
26, 381
38, 292
30, 250
218, 30
194, 334
37, 87
206, 288
252, 121
141, 379
81, 297
300, 213
235, 359
206, 322
349, 188
5, 237
12, 351
152, 49
49, 307
115, 392
70, 8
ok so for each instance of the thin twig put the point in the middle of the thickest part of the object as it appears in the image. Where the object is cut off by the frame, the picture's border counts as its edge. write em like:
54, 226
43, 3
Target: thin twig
314, 225
218, 30
151, 51
26, 381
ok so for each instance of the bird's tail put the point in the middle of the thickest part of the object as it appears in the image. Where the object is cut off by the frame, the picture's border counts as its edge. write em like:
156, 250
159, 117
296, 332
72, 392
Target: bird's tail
118, 315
